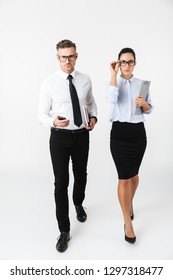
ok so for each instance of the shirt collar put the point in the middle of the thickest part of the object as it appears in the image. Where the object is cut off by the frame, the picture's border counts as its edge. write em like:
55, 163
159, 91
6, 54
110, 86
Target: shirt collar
125, 80
64, 75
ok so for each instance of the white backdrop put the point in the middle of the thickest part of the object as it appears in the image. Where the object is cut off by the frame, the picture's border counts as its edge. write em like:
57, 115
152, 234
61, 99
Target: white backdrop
29, 32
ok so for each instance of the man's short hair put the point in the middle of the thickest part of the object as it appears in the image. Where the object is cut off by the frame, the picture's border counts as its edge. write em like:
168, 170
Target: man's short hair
127, 50
65, 44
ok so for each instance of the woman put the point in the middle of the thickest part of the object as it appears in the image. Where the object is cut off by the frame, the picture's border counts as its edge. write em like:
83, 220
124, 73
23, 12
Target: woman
128, 136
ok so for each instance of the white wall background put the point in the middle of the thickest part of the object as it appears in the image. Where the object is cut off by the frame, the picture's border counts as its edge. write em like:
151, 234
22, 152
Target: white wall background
29, 32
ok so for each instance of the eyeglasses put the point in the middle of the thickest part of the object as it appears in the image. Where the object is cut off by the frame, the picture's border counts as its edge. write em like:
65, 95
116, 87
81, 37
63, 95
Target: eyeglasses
63, 58
124, 62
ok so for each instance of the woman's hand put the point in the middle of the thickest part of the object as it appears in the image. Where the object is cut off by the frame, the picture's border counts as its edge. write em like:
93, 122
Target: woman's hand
114, 67
141, 103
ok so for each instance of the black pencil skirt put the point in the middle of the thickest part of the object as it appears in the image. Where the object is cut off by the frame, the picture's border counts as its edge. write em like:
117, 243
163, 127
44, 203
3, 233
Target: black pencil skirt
128, 143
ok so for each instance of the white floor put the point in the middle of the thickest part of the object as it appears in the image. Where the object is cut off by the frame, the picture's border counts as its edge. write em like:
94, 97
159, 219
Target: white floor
29, 229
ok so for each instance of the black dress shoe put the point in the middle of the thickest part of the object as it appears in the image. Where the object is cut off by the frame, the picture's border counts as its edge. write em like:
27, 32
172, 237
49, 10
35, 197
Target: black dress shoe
62, 243
130, 239
81, 215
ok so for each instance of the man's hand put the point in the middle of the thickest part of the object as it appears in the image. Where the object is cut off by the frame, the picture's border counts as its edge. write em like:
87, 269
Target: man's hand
91, 124
60, 123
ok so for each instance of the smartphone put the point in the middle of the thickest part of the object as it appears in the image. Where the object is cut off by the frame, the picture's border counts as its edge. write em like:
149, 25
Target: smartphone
61, 118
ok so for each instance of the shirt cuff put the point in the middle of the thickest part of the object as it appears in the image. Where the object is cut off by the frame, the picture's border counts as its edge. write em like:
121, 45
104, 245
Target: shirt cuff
150, 110
51, 123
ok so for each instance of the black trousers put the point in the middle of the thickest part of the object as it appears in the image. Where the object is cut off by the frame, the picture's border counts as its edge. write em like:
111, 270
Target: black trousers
63, 146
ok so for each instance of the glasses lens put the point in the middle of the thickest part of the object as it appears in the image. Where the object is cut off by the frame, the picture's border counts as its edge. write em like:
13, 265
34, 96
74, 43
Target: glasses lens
131, 62
62, 58
71, 57
123, 63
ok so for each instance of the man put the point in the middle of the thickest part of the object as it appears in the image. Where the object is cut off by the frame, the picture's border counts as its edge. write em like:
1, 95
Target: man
69, 133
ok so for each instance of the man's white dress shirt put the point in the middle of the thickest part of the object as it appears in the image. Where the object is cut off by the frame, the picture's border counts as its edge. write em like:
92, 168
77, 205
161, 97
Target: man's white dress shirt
55, 98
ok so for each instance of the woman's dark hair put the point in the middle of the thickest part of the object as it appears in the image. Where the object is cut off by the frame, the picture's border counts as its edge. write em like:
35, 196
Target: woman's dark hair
127, 50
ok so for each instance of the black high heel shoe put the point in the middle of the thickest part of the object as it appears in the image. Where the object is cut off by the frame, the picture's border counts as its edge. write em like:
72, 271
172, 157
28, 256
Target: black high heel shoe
129, 239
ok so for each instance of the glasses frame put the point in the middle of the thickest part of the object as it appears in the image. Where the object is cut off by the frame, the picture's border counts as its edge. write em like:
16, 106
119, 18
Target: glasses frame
63, 58
129, 62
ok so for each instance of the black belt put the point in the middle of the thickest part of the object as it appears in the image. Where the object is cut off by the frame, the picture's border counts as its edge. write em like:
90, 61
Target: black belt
74, 131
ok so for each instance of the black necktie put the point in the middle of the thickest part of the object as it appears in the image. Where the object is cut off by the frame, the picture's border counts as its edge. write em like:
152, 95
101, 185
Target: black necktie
75, 103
